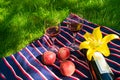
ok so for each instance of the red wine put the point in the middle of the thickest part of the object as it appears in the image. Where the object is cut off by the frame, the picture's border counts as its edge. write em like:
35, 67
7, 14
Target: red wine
52, 31
75, 26
99, 68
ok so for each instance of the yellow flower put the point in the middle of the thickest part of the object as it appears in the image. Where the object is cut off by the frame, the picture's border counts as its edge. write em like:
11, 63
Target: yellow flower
96, 43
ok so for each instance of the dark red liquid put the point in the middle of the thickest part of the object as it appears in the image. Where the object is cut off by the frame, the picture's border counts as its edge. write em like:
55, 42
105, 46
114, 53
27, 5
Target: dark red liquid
52, 31
75, 27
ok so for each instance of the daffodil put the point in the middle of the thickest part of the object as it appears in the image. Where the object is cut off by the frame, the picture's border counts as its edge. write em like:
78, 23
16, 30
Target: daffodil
96, 43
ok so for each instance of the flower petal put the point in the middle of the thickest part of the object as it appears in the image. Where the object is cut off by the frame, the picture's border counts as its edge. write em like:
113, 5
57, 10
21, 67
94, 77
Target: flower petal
97, 34
84, 45
104, 50
87, 36
109, 37
90, 53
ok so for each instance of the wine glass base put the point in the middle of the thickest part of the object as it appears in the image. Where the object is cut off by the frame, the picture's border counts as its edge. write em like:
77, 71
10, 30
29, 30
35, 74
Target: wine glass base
53, 48
74, 47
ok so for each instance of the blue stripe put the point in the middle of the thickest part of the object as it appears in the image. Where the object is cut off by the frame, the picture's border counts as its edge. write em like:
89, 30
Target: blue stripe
29, 70
37, 64
6, 71
111, 46
33, 50
114, 58
67, 36
39, 47
114, 67
15, 67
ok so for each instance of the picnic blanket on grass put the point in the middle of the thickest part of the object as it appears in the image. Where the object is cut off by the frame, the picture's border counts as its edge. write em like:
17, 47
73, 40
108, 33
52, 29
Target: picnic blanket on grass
27, 65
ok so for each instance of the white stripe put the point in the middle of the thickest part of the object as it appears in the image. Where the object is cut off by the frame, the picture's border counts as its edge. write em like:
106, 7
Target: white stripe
70, 35
80, 73
115, 50
69, 76
80, 60
67, 33
115, 44
80, 35
113, 62
36, 49
65, 38
111, 30
79, 63
35, 69
59, 69
41, 64
48, 39
49, 44
69, 47
78, 52
3, 76
10, 67
41, 45
116, 71
46, 66
116, 55
21, 68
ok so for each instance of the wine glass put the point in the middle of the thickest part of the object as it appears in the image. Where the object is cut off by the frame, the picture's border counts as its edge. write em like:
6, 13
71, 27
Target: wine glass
74, 27
52, 32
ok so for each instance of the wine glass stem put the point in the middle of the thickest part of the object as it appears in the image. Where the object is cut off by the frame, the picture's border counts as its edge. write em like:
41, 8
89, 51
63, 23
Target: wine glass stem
74, 35
53, 43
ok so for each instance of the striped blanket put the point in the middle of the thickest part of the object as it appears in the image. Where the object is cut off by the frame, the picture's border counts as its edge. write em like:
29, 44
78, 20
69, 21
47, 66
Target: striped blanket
27, 65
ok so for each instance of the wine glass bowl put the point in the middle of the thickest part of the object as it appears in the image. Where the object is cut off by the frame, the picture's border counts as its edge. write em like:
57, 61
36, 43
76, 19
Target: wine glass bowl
52, 31
75, 27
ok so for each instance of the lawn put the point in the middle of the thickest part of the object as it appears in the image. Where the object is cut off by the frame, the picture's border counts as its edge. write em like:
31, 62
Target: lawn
22, 22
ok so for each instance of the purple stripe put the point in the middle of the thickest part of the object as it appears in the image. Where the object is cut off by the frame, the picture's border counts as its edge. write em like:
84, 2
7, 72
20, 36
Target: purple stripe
2, 76
40, 44
65, 39
115, 63
20, 67
70, 36
11, 69
59, 69
113, 49
47, 67
74, 57
80, 73
115, 71
32, 67
80, 62
65, 45
40, 53
111, 30
38, 62
72, 77
48, 44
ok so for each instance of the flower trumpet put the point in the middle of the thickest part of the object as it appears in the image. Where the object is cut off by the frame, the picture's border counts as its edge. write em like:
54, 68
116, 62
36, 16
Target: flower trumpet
95, 42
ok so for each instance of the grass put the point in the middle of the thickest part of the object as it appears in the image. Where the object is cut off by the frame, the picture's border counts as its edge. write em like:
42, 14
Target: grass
21, 22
